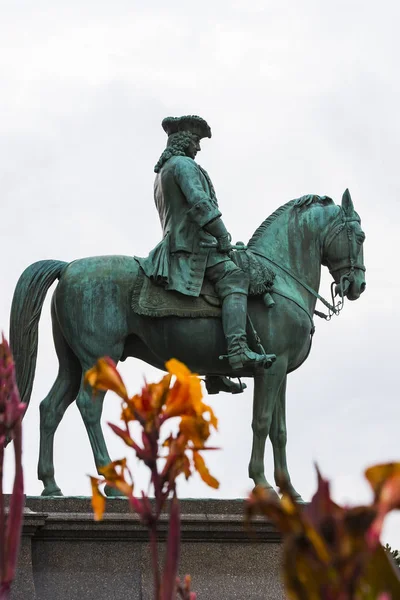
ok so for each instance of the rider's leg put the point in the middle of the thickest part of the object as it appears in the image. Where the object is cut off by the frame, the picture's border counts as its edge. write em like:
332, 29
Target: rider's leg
234, 320
231, 285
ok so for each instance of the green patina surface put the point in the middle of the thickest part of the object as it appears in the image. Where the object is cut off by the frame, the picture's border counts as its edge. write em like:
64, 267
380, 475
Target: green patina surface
92, 314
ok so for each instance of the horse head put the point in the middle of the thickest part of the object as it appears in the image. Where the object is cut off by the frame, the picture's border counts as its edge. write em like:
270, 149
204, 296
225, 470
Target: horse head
343, 251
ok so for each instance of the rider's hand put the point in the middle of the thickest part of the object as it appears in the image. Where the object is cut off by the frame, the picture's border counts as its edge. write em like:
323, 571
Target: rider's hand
224, 243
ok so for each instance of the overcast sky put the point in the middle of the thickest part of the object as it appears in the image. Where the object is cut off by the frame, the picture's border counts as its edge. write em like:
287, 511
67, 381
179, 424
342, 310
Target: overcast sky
302, 97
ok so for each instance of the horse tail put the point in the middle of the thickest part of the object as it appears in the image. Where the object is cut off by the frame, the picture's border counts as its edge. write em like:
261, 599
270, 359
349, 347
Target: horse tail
26, 307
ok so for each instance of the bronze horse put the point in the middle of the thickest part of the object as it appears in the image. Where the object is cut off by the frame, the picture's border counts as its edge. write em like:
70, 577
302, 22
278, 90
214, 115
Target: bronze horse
92, 317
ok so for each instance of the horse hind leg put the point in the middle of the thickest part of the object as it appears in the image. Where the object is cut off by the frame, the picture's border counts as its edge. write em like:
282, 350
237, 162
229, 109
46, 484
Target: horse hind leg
278, 437
53, 407
91, 409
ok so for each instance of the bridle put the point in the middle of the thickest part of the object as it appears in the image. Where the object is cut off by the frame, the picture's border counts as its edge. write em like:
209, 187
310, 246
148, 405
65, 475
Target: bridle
350, 263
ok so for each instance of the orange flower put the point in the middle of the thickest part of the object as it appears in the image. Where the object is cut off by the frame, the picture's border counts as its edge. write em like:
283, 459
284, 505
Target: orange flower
104, 376
158, 399
147, 405
385, 482
204, 473
128, 410
185, 401
140, 406
378, 475
177, 368
195, 429
114, 476
178, 462
98, 500
182, 465
185, 397
159, 393
156, 403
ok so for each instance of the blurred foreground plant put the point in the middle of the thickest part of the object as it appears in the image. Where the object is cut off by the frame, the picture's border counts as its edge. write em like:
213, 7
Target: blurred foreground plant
158, 403
395, 554
333, 552
11, 413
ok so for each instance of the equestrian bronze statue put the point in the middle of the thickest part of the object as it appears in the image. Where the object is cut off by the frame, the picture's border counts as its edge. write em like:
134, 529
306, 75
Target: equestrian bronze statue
224, 310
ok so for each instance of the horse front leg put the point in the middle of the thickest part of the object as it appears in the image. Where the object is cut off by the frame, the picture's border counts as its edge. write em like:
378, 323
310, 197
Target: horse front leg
278, 437
266, 386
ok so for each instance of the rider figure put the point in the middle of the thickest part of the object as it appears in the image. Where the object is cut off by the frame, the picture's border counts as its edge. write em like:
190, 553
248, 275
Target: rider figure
191, 223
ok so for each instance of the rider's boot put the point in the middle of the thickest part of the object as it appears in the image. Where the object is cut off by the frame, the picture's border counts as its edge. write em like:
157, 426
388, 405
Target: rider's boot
234, 319
218, 383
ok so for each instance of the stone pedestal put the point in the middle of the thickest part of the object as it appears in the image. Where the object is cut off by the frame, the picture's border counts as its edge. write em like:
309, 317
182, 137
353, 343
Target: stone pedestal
66, 555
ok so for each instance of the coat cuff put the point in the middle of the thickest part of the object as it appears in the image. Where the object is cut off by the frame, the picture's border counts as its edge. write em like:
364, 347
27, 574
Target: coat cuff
203, 213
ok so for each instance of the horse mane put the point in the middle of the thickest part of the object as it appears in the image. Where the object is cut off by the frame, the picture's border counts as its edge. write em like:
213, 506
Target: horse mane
297, 202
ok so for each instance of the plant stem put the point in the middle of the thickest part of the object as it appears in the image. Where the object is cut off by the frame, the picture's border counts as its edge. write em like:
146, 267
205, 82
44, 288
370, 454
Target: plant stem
154, 557
2, 519
5, 591
15, 515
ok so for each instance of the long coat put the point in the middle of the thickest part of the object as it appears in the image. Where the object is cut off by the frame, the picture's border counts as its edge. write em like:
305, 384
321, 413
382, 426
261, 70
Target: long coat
186, 202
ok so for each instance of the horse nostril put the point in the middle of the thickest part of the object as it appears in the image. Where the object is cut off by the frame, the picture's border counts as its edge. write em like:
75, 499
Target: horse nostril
362, 287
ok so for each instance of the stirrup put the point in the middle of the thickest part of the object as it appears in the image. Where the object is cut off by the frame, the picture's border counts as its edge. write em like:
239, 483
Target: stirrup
246, 357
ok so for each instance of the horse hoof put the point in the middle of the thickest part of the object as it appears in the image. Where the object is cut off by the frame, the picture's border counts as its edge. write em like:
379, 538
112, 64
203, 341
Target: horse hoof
268, 488
111, 492
295, 496
52, 491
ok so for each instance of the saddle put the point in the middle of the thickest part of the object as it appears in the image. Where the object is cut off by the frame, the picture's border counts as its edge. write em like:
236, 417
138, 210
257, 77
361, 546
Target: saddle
152, 300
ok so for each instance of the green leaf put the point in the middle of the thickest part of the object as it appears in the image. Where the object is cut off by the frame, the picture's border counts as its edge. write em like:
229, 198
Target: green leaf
381, 574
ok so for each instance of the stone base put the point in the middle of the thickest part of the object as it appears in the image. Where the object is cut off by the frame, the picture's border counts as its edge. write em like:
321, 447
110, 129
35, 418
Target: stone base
66, 555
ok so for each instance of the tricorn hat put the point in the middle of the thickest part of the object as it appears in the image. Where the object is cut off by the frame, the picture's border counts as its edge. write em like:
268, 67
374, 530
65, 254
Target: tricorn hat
191, 123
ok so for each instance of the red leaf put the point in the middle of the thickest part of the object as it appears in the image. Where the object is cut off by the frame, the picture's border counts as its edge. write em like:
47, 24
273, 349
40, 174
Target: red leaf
124, 435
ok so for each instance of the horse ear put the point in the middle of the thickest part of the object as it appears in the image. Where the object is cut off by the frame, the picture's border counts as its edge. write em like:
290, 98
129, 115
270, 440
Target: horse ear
347, 203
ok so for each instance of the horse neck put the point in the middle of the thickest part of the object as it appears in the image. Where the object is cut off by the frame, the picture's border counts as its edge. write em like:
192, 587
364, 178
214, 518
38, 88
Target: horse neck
295, 241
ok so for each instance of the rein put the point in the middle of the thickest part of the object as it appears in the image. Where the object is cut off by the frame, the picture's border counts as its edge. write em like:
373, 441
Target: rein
334, 309
345, 280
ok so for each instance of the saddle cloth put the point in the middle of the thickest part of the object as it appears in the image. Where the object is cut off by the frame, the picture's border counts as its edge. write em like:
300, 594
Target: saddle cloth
151, 300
